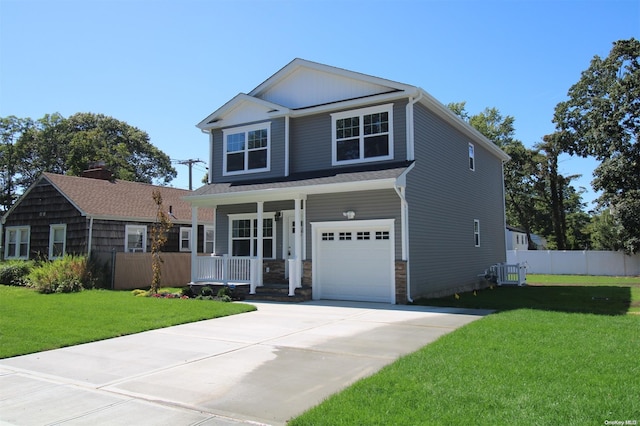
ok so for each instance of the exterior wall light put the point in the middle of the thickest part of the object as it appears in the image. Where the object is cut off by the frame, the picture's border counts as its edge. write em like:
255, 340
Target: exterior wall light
349, 215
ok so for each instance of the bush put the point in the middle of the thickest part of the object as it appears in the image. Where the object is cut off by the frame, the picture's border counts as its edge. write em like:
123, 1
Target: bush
66, 275
14, 272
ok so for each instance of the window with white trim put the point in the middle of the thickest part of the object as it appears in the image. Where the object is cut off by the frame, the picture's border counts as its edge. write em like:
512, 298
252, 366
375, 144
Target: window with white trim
185, 238
246, 149
135, 239
476, 232
472, 157
17, 242
57, 240
244, 235
209, 235
362, 135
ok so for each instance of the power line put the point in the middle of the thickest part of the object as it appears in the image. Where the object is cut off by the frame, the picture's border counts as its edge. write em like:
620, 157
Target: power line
190, 163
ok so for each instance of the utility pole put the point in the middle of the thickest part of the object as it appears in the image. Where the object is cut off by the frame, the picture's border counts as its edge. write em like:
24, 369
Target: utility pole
190, 163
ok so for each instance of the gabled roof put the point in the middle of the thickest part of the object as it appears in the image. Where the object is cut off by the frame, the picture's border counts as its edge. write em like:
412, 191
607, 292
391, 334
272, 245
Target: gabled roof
120, 199
304, 87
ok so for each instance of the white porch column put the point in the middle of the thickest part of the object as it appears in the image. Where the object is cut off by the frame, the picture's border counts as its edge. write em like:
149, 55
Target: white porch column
259, 242
194, 243
298, 239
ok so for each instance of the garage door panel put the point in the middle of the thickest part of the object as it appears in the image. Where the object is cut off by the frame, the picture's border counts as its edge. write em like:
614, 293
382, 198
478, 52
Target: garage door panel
360, 268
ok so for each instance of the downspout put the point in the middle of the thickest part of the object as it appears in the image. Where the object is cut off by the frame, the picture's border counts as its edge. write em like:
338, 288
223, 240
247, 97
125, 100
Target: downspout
404, 225
410, 125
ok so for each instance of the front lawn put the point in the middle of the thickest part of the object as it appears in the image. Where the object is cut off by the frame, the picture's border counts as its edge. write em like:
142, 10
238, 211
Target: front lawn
543, 359
33, 322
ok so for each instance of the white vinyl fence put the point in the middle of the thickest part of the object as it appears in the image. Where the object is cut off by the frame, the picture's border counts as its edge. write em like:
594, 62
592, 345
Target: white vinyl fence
576, 262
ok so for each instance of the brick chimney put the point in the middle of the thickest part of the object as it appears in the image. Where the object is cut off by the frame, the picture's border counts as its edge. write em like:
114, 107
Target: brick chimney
98, 170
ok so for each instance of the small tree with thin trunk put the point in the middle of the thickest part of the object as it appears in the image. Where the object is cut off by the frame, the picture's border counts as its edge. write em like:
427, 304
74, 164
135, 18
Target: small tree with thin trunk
159, 237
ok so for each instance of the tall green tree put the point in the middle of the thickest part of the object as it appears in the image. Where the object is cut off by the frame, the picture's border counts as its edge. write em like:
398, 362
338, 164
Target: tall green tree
601, 118
67, 145
11, 128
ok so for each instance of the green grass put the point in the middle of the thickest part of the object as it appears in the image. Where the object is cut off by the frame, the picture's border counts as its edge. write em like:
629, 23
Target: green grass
33, 322
545, 358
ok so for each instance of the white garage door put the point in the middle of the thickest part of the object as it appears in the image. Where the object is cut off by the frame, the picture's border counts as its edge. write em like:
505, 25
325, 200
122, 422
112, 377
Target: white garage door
354, 261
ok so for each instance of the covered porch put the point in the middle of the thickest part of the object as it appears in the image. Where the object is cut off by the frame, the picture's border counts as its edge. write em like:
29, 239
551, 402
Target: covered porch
258, 239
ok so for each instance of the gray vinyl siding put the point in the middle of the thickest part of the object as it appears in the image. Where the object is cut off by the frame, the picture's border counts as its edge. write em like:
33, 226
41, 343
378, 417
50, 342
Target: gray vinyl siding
444, 198
368, 205
277, 156
310, 140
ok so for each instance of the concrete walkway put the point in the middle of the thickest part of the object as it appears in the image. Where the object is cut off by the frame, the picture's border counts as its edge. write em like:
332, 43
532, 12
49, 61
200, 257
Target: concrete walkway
263, 367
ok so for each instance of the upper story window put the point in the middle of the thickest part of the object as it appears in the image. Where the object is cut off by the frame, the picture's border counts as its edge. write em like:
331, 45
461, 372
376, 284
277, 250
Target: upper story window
135, 239
246, 149
362, 135
472, 157
57, 240
17, 242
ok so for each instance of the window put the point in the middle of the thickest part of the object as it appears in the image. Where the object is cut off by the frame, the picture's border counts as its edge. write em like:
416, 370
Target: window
185, 239
17, 242
135, 239
246, 149
244, 232
327, 236
363, 235
345, 236
382, 235
362, 135
472, 158
209, 233
476, 232
57, 240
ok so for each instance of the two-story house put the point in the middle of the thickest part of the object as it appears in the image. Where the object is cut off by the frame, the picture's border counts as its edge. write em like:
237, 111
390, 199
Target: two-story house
363, 188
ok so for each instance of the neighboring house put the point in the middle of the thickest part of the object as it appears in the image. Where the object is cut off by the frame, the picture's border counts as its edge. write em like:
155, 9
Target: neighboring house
516, 239
373, 189
61, 215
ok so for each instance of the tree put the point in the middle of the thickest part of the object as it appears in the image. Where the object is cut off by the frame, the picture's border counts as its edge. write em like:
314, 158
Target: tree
11, 128
159, 236
601, 118
67, 145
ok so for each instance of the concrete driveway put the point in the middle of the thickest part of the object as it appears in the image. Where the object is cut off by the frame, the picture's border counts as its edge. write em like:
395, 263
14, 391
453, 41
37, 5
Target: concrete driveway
262, 367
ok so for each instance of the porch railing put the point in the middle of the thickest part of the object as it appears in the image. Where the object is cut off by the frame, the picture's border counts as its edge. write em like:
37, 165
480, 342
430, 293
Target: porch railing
227, 270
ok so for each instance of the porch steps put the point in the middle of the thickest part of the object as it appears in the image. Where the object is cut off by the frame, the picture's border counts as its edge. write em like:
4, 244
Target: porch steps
280, 293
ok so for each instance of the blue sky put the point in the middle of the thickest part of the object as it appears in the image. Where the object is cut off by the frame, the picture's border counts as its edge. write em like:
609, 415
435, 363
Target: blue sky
162, 66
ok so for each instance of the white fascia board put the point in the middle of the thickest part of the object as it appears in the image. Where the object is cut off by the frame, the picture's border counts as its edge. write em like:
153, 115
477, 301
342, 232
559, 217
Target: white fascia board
441, 110
272, 109
278, 194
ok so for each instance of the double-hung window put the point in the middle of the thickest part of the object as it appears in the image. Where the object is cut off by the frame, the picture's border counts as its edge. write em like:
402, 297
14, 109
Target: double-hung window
476, 232
244, 235
362, 135
185, 239
209, 243
246, 149
17, 242
135, 239
57, 240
